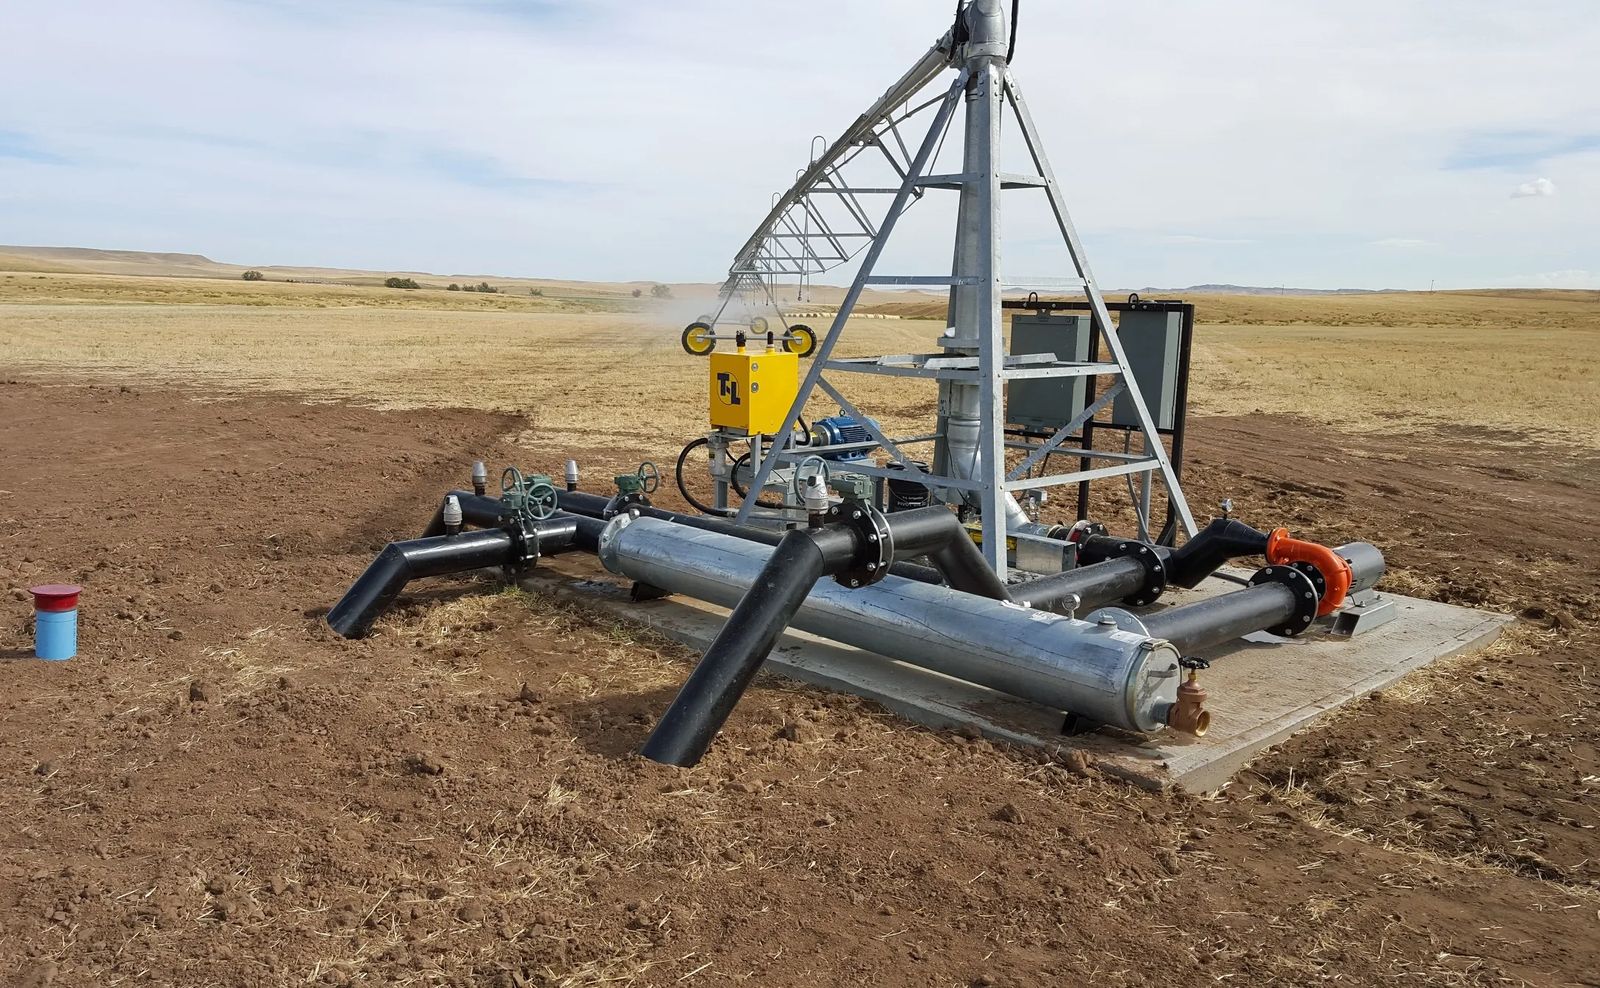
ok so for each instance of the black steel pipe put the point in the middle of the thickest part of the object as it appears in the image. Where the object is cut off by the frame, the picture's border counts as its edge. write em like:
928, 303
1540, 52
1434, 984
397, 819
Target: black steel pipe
1224, 617
401, 562
801, 558
1211, 548
476, 510
586, 532
937, 533
1095, 585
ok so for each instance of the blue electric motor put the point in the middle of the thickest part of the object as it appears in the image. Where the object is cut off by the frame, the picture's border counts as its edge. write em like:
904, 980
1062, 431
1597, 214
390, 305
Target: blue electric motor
838, 430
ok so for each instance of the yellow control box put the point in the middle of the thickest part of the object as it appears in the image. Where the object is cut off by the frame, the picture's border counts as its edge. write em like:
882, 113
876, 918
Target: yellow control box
752, 391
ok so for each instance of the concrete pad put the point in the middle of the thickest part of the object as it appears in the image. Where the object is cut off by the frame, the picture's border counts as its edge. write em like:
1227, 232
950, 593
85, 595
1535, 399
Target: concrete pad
1262, 689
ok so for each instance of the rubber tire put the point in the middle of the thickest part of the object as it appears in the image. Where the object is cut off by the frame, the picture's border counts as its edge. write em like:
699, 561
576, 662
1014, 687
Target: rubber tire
808, 340
695, 329
758, 325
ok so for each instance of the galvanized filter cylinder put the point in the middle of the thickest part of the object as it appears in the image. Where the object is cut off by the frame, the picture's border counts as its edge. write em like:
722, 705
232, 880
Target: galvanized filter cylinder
1110, 676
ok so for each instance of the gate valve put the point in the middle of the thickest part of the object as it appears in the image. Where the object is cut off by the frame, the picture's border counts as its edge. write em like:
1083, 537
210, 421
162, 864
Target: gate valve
1189, 714
632, 491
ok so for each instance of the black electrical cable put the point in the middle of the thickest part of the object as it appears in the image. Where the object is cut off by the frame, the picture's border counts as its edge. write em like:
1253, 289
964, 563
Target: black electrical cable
744, 495
1011, 49
683, 488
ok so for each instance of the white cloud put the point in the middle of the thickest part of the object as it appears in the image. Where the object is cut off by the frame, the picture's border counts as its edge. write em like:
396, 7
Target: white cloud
1539, 187
1402, 243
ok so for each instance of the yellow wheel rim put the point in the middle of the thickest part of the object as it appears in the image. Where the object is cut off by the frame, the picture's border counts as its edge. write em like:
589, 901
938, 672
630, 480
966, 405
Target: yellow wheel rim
697, 339
804, 340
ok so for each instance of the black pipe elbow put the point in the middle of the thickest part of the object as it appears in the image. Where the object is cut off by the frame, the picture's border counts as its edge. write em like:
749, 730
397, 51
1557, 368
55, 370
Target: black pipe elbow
401, 562
937, 533
1222, 540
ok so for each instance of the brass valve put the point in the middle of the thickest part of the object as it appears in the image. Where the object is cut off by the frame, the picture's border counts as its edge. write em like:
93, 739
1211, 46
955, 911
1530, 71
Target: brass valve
1189, 714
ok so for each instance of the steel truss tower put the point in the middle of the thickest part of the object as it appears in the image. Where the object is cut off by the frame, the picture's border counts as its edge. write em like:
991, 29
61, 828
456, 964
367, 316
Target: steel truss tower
822, 221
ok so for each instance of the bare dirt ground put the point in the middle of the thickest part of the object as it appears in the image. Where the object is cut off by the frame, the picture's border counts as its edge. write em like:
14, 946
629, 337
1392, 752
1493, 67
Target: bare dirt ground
220, 792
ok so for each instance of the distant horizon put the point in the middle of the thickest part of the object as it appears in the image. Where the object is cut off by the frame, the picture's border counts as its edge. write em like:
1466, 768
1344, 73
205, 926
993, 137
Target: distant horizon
1203, 288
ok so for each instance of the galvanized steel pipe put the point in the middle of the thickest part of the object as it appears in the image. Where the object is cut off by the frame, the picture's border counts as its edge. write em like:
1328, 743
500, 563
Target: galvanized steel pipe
1097, 671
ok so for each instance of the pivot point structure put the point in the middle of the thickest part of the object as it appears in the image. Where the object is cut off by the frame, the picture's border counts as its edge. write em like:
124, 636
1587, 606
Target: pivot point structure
837, 528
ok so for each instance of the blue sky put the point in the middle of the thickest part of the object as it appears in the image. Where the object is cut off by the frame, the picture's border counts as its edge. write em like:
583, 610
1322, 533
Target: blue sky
1359, 144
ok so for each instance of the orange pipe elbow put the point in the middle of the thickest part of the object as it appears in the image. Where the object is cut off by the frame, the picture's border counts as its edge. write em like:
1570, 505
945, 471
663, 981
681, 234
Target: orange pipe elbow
1281, 550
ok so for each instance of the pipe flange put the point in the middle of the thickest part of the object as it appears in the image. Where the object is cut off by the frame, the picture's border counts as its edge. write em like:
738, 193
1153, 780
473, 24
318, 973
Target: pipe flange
1155, 571
1319, 583
1306, 598
1119, 619
877, 542
622, 502
524, 532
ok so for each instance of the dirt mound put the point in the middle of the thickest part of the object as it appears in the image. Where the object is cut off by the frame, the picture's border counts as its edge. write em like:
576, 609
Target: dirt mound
218, 791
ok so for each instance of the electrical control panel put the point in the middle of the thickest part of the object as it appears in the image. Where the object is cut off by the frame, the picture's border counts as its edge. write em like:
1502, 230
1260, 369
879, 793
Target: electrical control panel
1048, 403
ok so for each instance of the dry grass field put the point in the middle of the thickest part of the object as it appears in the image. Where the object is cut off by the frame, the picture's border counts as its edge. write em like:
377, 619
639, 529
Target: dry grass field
1523, 362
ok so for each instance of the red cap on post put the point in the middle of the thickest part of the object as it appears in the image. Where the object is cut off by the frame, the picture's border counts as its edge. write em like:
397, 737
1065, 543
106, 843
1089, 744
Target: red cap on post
55, 597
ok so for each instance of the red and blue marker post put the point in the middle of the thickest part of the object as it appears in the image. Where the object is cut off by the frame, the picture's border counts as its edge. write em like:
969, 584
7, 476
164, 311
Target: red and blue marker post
55, 621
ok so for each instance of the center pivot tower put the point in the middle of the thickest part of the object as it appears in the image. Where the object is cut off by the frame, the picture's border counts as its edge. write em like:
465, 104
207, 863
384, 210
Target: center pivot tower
823, 220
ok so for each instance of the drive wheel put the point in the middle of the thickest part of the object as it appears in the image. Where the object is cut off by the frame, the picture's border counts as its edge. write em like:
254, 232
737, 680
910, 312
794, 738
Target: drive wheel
804, 341
697, 339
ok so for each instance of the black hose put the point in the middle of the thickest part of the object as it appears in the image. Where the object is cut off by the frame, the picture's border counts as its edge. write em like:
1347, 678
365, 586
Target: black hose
1011, 49
683, 489
744, 495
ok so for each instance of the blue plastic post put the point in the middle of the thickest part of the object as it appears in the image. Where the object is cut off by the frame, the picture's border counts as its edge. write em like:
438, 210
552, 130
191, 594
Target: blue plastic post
55, 621
55, 634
